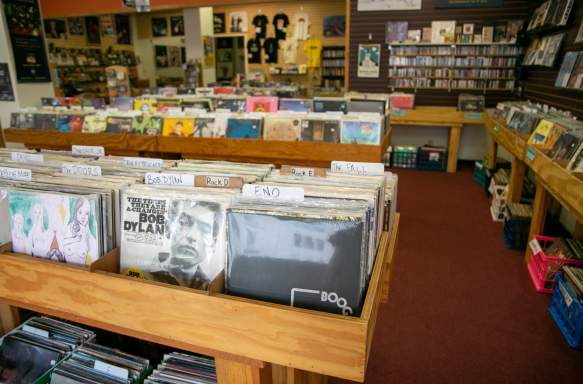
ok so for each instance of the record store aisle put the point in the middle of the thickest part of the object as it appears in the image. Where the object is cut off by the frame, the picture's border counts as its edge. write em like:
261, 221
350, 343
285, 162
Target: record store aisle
462, 308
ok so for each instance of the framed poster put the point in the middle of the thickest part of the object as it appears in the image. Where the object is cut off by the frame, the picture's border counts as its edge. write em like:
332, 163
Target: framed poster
55, 29
467, 3
28, 44
209, 51
177, 25
159, 26
76, 27
122, 29
238, 22
219, 23
369, 58
6, 91
106, 24
388, 5
334, 26
92, 26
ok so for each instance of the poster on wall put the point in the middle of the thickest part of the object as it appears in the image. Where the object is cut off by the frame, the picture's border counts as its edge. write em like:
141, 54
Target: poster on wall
122, 29
92, 26
55, 29
106, 25
209, 51
28, 45
219, 23
238, 22
161, 53
177, 25
388, 5
76, 27
6, 91
369, 57
467, 3
334, 26
159, 26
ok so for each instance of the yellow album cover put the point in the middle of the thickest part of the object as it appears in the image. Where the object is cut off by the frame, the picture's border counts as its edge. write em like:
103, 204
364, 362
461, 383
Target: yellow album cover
541, 133
178, 126
145, 105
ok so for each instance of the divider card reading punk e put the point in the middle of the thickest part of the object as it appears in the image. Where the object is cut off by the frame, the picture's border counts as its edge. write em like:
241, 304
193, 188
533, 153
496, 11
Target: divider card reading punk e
172, 236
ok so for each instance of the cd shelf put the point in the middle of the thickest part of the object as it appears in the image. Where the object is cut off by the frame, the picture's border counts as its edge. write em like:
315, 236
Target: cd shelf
475, 67
263, 151
237, 332
333, 64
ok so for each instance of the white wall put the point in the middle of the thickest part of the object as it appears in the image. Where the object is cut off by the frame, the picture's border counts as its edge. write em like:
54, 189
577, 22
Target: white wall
198, 22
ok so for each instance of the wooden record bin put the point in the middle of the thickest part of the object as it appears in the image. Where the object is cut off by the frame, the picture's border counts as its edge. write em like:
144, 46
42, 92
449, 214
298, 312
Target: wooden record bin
252, 341
263, 151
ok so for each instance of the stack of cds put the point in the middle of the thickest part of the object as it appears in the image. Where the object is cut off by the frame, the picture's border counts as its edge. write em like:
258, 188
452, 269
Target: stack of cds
92, 363
180, 368
30, 351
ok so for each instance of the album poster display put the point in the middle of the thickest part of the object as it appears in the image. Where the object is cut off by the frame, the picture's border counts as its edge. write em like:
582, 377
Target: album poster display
122, 28
28, 46
93, 33
6, 91
369, 56
219, 25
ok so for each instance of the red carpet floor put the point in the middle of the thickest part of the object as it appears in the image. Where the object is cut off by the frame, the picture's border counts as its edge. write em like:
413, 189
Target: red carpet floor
462, 308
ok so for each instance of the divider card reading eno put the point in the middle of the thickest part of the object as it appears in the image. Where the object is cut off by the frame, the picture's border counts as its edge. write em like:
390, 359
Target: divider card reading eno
358, 168
273, 192
87, 150
178, 179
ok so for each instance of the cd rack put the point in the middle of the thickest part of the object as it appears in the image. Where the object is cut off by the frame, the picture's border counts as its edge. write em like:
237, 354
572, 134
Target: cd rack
459, 67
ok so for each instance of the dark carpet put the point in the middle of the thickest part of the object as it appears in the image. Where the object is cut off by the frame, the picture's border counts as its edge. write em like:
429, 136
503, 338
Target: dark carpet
462, 308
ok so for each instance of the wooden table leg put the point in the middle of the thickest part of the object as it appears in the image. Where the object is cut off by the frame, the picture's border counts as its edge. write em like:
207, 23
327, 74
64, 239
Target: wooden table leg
234, 372
288, 375
453, 147
539, 214
516, 181
9, 318
492, 153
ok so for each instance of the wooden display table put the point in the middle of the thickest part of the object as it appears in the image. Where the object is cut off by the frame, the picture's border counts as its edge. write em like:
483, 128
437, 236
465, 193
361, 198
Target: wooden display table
276, 152
552, 179
440, 117
252, 341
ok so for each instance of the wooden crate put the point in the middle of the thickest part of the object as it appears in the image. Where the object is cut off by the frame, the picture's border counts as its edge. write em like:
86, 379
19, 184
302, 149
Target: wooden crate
245, 336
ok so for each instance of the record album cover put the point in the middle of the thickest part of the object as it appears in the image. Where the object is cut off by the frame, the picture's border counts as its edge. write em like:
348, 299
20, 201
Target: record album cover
262, 103
70, 123
360, 132
330, 105
178, 126
94, 123
122, 103
443, 32
296, 105
25, 362
45, 121
145, 105
297, 260
243, 128
321, 130
396, 32
173, 238
281, 128
118, 124
147, 125
204, 126
232, 104
55, 226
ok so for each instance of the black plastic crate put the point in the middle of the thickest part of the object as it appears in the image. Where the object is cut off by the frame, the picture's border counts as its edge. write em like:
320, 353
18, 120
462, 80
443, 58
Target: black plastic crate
516, 229
432, 159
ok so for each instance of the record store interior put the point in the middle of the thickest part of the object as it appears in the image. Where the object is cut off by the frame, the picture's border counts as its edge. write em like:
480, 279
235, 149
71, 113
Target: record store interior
291, 191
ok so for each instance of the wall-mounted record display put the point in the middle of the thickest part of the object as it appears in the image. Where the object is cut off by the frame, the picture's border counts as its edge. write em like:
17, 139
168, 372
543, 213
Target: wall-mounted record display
467, 3
28, 45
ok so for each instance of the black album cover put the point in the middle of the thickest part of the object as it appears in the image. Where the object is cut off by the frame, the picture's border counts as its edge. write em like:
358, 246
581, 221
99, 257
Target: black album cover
323, 105
565, 147
93, 32
372, 106
122, 29
303, 261
119, 124
321, 130
159, 26
45, 121
24, 362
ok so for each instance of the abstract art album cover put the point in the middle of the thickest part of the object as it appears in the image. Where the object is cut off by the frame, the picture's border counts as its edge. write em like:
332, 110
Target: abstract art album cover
55, 226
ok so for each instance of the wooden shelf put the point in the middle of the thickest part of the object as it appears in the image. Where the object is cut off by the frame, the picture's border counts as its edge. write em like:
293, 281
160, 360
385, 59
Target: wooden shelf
452, 55
444, 44
249, 332
277, 152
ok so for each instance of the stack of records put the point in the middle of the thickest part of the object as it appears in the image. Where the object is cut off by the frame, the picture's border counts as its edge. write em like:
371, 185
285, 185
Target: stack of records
180, 368
92, 363
574, 277
30, 351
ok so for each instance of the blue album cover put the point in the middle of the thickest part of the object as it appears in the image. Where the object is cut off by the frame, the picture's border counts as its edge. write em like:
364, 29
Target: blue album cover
296, 105
360, 132
63, 123
243, 128
122, 103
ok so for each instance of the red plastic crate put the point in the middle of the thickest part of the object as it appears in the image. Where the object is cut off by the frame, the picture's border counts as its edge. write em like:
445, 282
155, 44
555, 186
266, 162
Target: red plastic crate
543, 268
